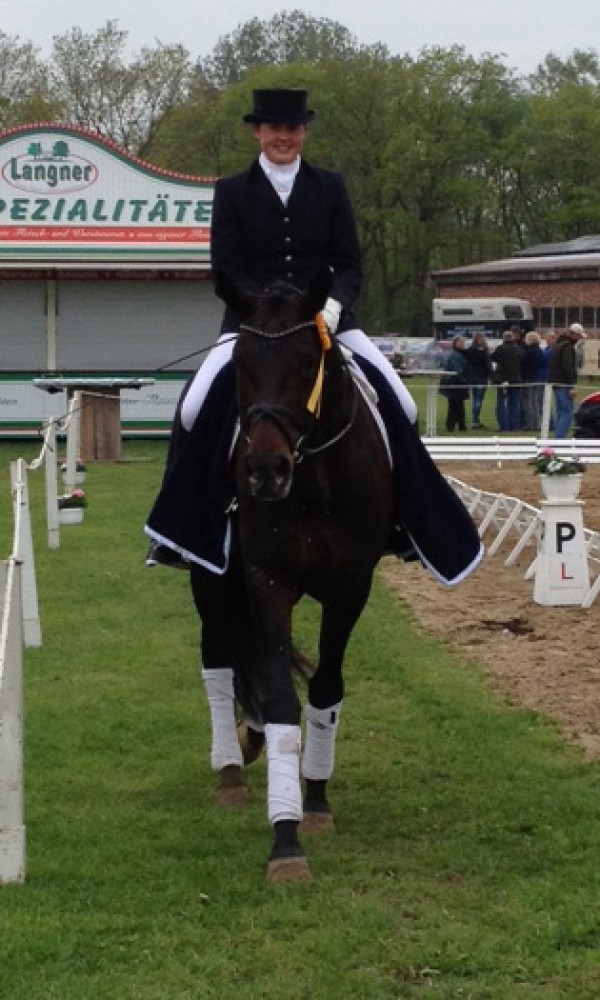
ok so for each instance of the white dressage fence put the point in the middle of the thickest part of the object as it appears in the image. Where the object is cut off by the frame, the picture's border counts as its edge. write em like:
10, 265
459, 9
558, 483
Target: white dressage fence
12, 827
19, 626
516, 523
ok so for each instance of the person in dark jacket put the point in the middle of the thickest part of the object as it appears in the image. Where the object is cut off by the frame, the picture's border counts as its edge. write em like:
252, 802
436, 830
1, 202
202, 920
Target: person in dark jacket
284, 218
507, 376
533, 369
562, 373
455, 385
478, 356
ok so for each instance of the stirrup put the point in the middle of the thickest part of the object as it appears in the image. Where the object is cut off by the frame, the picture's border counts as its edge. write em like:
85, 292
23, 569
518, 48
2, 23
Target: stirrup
162, 555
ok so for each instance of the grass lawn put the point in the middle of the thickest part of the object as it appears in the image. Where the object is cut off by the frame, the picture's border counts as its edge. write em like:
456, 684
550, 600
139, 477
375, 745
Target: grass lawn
465, 860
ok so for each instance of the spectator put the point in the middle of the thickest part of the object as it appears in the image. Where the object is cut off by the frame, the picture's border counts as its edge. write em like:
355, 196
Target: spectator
508, 377
562, 373
455, 385
518, 334
533, 370
478, 357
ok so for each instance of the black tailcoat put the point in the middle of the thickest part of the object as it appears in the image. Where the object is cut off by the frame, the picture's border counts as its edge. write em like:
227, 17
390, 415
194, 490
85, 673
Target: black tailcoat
257, 239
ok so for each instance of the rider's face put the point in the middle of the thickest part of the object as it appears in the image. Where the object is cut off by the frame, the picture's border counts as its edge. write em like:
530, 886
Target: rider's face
281, 144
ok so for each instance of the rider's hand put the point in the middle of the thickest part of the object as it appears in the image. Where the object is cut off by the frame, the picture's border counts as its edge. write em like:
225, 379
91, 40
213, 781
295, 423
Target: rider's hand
331, 314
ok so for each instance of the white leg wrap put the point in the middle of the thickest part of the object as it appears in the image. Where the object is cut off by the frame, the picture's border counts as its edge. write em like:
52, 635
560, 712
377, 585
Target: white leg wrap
283, 763
225, 748
319, 750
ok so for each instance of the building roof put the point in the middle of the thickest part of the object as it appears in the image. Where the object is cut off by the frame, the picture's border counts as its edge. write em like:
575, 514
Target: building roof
581, 255
583, 244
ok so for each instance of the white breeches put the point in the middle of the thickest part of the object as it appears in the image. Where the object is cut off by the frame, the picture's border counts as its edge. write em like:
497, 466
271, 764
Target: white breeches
354, 340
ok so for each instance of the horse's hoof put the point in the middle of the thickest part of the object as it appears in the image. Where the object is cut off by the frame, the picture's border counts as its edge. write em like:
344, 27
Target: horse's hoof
282, 871
251, 742
317, 822
232, 789
235, 797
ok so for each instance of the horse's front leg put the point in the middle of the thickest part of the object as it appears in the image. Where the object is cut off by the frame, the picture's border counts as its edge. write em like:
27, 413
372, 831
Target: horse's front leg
213, 599
226, 756
272, 608
325, 699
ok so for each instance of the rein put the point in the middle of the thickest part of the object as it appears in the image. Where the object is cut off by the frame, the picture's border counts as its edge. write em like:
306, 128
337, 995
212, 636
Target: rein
300, 449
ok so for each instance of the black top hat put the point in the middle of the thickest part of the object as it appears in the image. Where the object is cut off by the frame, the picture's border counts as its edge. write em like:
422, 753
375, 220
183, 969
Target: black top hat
280, 107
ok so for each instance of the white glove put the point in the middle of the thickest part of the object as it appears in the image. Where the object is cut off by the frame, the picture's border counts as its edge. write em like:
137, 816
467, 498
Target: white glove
331, 313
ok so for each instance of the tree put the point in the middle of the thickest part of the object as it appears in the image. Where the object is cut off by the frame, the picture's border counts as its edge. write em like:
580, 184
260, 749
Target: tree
24, 89
99, 90
558, 182
288, 37
581, 68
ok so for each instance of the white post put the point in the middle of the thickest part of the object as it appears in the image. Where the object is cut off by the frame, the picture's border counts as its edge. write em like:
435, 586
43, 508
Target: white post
546, 412
51, 491
561, 567
431, 409
73, 447
23, 552
12, 828
51, 325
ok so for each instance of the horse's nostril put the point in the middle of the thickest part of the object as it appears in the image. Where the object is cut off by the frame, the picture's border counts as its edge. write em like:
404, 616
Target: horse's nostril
283, 467
269, 476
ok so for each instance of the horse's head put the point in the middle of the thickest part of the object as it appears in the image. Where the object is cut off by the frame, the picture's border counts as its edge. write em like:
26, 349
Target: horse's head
279, 359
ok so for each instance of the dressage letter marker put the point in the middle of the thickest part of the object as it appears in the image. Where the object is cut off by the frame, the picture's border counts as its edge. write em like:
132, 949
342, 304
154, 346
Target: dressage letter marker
562, 573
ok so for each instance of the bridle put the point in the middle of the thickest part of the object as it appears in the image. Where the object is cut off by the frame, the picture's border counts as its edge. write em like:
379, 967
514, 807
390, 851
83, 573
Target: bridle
283, 416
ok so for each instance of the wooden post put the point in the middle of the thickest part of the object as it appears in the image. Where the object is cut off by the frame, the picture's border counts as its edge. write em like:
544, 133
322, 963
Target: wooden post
100, 425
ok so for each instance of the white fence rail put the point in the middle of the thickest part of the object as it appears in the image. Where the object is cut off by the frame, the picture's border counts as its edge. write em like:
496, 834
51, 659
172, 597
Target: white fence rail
501, 449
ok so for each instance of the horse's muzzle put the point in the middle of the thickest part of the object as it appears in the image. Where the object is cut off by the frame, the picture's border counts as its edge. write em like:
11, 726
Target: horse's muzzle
269, 476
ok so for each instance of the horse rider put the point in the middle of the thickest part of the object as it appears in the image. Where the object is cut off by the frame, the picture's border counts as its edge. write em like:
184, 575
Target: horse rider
284, 219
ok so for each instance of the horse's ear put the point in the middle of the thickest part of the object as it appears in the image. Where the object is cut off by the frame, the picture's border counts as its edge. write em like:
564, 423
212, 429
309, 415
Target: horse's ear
235, 295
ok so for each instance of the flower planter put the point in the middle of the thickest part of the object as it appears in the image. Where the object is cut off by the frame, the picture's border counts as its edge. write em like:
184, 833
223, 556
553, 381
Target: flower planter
563, 488
70, 515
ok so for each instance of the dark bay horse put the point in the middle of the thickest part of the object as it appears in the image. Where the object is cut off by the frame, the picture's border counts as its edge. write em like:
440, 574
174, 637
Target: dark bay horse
314, 516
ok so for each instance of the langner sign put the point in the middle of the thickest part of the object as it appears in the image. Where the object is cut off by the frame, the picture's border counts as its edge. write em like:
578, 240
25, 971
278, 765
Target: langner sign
65, 192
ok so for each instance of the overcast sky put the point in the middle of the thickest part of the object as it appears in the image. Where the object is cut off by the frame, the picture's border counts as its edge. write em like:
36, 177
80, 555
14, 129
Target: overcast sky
521, 32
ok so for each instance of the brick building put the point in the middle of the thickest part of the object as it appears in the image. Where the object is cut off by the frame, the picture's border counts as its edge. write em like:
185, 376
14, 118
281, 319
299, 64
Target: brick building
561, 280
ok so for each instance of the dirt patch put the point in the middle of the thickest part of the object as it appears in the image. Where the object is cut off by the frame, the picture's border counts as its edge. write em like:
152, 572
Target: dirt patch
542, 658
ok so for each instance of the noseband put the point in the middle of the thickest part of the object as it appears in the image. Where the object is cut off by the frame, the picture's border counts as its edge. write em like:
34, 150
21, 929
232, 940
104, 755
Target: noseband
283, 416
